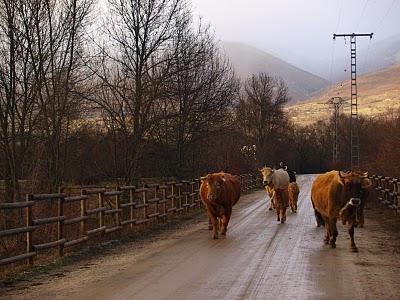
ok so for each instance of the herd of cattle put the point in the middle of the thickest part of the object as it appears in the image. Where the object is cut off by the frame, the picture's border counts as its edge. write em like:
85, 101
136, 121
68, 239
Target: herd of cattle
335, 195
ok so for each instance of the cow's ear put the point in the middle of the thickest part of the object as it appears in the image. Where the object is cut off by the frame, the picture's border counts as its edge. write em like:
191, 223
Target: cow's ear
366, 184
341, 178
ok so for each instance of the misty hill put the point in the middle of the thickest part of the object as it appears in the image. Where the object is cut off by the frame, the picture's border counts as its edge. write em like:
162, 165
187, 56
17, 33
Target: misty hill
378, 94
249, 60
381, 55
371, 57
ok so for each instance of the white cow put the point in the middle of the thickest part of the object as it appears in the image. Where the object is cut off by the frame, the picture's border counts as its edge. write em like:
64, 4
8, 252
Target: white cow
278, 180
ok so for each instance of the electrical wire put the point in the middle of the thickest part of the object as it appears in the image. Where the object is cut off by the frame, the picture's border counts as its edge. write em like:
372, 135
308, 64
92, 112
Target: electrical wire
379, 26
340, 15
332, 61
364, 65
362, 14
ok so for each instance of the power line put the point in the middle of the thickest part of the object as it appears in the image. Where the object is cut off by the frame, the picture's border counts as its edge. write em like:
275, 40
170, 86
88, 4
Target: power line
340, 15
362, 14
332, 59
379, 26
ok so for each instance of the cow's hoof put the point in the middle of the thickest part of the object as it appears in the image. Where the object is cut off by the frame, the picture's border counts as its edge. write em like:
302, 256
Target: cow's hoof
215, 237
210, 227
282, 221
326, 242
333, 246
354, 249
270, 208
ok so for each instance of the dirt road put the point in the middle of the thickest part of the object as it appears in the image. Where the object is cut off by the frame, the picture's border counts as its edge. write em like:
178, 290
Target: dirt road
259, 259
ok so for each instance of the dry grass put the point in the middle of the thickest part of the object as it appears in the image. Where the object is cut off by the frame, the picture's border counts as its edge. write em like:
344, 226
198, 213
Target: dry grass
378, 94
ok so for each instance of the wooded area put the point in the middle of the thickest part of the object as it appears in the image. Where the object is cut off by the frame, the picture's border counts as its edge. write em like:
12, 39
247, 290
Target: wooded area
146, 92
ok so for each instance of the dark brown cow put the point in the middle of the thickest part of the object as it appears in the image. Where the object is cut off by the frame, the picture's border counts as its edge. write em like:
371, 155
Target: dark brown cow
336, 195
366, 189
219, 192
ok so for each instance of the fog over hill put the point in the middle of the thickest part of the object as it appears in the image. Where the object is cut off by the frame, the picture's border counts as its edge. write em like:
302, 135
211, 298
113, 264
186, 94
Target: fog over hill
249, 60
372, 56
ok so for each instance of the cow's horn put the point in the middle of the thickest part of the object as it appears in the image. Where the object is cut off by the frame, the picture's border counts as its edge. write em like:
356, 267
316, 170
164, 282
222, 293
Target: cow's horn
365, 175
340, 174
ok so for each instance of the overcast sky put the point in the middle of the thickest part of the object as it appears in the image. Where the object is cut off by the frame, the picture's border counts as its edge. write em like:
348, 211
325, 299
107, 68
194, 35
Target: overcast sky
299, 30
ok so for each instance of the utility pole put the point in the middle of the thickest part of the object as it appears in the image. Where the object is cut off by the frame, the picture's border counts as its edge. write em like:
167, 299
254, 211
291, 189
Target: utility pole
337, 103
354, 140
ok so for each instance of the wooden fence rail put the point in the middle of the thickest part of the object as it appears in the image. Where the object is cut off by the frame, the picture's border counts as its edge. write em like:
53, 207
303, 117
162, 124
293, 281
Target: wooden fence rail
102, 212
387, 190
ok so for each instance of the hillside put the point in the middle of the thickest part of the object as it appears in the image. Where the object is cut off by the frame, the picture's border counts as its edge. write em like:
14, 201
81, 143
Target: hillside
378, 93
248, 60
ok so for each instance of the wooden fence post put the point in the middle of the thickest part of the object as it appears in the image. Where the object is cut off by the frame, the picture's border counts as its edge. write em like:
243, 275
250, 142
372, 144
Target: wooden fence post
145, 202
101, 212
60, 226
83, 213
29, 223
118, 207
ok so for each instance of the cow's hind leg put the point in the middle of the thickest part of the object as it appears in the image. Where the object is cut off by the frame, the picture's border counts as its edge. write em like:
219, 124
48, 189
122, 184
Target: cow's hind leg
278, 212
283, 215
214, 222
351, 233
225, 221
210, 227
333, 232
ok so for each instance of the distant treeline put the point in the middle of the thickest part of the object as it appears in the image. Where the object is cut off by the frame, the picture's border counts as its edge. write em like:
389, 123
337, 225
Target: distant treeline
145, 92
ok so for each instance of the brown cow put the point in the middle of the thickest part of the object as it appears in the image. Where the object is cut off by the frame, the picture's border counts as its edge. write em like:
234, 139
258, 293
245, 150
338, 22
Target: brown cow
219, 192
335, 195
293, 190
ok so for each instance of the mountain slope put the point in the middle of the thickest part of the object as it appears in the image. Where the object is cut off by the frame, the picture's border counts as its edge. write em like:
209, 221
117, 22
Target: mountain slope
248, 60
378, 94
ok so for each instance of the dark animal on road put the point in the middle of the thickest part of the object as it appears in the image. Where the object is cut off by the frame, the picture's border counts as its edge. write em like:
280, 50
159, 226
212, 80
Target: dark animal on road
365, 191
336, 195
219, 193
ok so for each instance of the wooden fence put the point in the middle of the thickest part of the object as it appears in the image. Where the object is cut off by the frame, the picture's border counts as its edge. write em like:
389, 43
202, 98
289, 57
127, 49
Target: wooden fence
387, 190
99, 212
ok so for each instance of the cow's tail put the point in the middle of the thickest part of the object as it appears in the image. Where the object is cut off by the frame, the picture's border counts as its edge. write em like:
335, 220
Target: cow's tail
318, 216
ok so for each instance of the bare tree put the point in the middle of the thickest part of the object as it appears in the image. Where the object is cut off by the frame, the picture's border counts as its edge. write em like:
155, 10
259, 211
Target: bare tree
18, 92
260, 113
201, 88
132, 70
54, 40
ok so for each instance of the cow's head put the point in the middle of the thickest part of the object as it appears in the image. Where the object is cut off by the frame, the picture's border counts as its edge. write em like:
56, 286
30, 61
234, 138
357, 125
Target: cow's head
353, 183
267, 175
214, 183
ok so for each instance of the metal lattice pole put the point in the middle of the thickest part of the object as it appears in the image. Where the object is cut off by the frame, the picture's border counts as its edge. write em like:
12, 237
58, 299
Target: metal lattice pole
354, 140
337, 103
